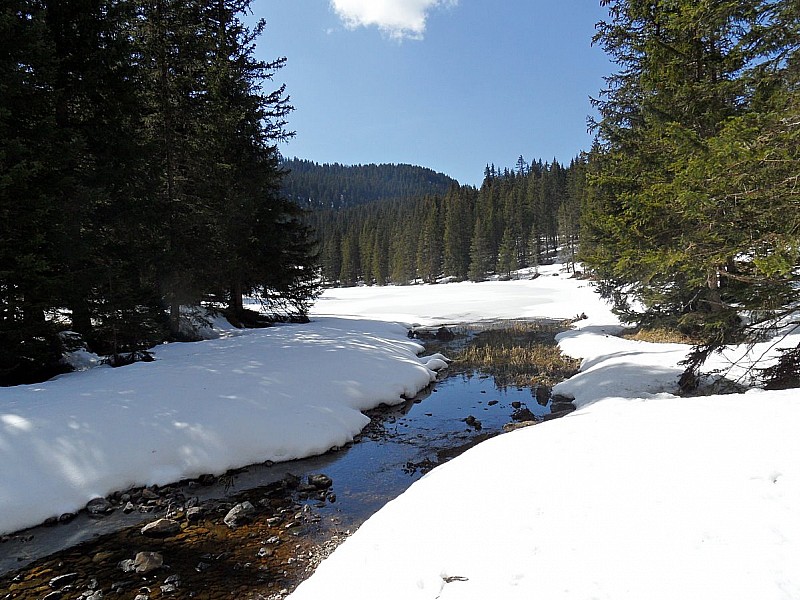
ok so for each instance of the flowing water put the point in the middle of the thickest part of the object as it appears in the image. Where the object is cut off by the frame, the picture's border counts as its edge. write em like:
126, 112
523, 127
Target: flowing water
294, 525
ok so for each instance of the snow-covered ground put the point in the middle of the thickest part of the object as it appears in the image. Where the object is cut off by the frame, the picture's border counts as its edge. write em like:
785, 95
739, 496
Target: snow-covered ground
272, 394
638, 494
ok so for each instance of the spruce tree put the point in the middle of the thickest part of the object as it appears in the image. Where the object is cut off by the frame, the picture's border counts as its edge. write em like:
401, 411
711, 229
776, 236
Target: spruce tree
678, 216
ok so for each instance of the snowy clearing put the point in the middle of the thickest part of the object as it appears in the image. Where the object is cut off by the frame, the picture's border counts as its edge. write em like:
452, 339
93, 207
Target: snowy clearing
637, 494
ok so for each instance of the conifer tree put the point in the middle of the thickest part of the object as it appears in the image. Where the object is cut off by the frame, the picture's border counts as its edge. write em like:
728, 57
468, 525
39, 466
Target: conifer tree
429, 247
673, 219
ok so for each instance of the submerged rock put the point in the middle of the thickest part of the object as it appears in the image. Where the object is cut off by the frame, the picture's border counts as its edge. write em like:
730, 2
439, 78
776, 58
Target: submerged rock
239, 514
62, 580
147, 562
320, 481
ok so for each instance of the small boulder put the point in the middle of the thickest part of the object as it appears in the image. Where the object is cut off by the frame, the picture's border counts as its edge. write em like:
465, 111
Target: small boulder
161, 528
195, 513
239, 514
147, 562
320, 481
443, 334
98, 506
62, 580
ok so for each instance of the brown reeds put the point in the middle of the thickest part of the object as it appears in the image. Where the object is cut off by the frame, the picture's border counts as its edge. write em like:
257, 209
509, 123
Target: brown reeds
519, 353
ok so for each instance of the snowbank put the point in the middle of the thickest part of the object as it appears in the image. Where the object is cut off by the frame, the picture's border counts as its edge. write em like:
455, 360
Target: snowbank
626, 499
637, 494
204, 407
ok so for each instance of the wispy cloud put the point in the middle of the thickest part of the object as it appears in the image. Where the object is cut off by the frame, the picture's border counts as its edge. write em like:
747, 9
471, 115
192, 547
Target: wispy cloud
399, 19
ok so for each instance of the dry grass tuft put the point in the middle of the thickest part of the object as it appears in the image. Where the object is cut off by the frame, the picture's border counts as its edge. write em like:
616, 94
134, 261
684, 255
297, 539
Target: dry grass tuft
518, 353
658, 335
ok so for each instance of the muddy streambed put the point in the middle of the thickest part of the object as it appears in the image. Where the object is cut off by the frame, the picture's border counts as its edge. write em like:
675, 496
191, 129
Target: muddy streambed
292, 521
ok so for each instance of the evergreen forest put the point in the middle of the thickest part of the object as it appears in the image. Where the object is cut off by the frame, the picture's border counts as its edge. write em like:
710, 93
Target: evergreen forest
139, 173
518, 218
334, 186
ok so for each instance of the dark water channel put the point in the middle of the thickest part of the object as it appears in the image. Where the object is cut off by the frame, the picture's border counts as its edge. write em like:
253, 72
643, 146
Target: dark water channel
397, 448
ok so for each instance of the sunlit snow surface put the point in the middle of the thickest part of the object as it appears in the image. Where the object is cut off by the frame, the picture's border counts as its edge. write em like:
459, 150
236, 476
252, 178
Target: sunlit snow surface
638, 494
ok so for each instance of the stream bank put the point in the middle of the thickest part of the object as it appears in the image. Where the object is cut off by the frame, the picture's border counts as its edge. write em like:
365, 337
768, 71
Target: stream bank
293, 520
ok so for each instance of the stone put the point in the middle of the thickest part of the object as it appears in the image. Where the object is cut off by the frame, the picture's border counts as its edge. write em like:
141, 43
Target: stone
557, 407
54, 595
129, 508
194, 514
62, 580
542, 394
127, 566
443, 334
147, 562
473, 422
516, 404
120, 586
521, 425
493, 402
206, 479
320, 481
239, 514
99, 506
291, 480
66, 517
161, 528
523, 414
101, 557
557, 415
148, 494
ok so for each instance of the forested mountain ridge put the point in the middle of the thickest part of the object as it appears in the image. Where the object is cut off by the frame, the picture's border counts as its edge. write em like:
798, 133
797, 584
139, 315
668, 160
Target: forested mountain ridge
334, 186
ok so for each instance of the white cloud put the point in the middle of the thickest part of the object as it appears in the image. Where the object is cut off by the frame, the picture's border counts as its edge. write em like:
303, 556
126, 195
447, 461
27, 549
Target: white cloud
397, 18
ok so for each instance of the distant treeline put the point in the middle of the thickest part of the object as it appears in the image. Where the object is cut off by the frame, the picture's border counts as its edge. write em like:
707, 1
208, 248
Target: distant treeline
334, 186
516, 218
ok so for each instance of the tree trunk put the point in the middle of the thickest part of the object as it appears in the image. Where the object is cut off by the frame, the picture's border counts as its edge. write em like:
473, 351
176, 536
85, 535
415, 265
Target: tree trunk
236, 303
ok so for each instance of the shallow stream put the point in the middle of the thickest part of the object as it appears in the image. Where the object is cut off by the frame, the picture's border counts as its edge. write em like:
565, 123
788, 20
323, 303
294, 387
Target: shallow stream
294, 525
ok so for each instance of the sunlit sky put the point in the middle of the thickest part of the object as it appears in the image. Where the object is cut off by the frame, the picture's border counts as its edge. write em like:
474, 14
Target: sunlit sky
452, 85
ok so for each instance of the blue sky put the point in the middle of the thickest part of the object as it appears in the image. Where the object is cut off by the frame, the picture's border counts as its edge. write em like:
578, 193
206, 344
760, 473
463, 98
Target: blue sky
447, 84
